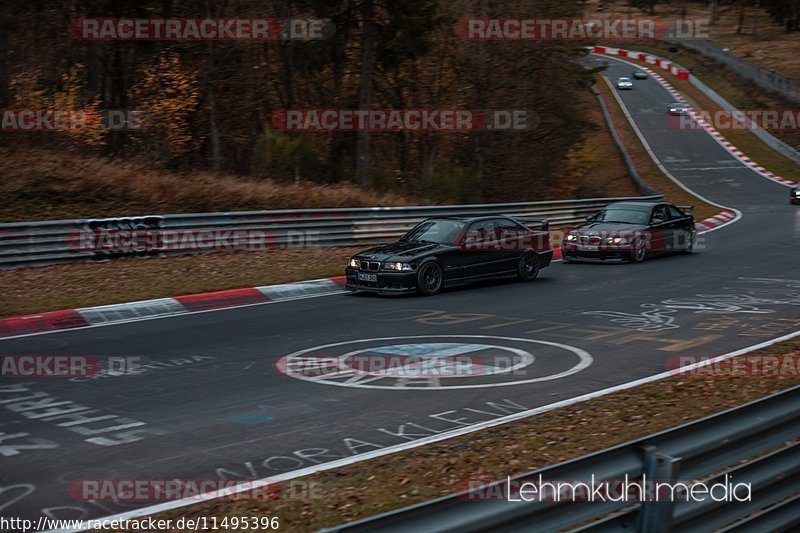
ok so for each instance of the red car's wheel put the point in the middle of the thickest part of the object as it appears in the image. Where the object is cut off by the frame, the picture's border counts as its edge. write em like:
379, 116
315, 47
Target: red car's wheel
528, 267
639, 252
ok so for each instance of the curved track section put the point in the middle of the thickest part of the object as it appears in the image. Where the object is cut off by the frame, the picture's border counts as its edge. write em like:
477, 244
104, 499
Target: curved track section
234, 394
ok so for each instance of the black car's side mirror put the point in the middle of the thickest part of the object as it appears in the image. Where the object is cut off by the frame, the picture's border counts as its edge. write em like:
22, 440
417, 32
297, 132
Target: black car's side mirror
591, 218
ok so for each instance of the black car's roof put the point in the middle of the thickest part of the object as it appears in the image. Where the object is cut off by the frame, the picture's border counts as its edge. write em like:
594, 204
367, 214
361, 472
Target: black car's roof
637, 204
466, 219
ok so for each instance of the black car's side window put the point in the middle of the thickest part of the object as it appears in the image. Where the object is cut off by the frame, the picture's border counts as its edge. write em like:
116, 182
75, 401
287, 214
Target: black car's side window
507, 229
659, 215
483, 231
674, 212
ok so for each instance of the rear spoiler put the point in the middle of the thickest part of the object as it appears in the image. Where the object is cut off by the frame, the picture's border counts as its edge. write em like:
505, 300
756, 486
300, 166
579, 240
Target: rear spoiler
527, 221
685, 208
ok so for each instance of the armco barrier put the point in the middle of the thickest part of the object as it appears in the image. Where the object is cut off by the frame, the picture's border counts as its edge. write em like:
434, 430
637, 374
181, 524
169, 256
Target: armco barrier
60, 241
756, 443
623, 152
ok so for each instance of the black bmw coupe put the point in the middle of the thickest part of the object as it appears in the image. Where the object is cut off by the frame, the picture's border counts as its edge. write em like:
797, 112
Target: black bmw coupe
449, 251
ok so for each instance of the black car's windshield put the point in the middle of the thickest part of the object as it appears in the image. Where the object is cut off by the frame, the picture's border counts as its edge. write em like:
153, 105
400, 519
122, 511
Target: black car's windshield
624, 214
440, 231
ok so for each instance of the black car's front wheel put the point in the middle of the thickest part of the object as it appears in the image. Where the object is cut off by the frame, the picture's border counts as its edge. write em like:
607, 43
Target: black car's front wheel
528, 267
430, 279
639, 252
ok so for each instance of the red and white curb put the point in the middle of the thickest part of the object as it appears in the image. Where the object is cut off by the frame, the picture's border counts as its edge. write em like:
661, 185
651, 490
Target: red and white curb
160, 307
683, 73
666, 64
717, 220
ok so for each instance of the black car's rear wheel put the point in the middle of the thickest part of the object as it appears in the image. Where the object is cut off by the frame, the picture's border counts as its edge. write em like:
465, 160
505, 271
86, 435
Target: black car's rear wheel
430, 279
528, 267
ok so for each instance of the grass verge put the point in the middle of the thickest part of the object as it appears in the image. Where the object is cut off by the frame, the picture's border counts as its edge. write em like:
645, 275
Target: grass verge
412, 476
33, 290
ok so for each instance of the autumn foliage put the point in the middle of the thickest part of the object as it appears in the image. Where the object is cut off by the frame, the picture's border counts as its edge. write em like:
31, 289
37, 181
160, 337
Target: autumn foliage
207, 105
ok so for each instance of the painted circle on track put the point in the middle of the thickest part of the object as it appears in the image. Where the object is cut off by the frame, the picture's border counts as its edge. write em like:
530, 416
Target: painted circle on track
434, 362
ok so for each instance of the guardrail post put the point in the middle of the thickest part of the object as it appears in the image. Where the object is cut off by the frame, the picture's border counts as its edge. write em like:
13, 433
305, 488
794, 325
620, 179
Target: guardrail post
656, 516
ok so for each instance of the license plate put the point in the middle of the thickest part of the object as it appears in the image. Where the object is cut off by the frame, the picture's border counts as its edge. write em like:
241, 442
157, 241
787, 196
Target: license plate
367, 277
589, 247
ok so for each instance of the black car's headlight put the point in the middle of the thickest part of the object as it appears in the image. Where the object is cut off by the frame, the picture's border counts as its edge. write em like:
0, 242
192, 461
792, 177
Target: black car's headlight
353, 263
571, 237
621, 241
401, 267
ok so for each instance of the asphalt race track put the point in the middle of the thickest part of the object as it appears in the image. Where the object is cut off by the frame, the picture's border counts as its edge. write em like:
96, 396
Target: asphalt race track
213, 404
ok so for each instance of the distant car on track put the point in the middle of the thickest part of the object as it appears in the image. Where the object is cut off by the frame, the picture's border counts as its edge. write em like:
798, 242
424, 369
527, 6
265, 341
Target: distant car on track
630, 231
624, 83
448, 251
677, 109
794, 195
639, 75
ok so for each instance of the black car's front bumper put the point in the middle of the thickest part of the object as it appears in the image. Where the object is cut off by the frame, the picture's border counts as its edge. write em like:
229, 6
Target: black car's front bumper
387, 282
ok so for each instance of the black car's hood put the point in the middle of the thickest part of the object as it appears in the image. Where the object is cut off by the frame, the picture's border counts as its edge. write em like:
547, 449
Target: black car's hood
609, 228
399, 250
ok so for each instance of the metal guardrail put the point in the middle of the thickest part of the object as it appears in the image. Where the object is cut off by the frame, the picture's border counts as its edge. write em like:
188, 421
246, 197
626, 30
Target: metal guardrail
644, 187
63, 241
755, 443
